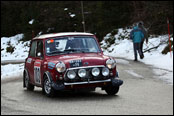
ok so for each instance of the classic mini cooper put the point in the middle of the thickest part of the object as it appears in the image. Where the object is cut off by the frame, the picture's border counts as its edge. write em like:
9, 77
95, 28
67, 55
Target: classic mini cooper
69, 61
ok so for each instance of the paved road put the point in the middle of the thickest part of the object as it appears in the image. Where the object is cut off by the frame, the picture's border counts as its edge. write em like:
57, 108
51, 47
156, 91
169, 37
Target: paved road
140, 94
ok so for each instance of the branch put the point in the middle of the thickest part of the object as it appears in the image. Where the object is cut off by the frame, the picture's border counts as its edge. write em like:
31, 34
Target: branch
148, 50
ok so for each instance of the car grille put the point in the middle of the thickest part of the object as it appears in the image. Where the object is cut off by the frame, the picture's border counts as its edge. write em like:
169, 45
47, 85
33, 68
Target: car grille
88, 77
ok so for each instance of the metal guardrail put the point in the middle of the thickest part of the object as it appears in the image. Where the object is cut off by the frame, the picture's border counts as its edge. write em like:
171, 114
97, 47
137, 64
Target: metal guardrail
4, 62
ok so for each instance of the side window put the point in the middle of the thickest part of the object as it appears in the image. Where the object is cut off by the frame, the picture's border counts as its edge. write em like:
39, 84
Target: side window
39, 48
33, 49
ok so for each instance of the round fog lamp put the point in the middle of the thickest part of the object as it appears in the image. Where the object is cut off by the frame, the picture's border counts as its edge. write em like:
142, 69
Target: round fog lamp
95, 71
105, 71
71, 74
82, 73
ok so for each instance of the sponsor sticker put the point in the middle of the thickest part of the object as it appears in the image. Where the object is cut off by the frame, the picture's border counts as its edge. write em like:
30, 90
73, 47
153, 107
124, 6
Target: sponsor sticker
51, 65
29, 60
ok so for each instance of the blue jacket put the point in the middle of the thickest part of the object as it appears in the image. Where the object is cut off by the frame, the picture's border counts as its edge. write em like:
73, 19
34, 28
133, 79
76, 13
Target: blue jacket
136, 35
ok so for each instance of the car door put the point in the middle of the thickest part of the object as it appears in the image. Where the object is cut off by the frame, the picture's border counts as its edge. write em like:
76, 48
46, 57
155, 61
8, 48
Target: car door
31, 60
38, 63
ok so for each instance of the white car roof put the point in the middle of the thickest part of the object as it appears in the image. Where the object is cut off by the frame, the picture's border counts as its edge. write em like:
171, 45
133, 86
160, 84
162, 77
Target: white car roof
61, 34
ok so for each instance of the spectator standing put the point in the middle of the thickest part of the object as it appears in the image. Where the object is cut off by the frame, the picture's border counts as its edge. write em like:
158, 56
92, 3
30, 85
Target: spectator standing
136, 36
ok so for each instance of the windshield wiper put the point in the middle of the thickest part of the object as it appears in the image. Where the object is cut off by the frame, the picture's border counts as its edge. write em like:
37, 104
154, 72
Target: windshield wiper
74, 50
55, 52
70, 50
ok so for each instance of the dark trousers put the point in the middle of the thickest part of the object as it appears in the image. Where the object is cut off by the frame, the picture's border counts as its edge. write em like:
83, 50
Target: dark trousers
137, 48
141, 47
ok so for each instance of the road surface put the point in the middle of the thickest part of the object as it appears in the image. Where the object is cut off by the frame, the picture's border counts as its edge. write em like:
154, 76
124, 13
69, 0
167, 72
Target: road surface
140, 94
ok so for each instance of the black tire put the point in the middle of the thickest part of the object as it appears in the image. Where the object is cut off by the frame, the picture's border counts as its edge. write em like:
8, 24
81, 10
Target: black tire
47, 89
112, 90
27, 83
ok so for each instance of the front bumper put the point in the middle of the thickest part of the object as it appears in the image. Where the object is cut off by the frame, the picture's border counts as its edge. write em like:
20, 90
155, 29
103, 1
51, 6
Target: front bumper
116, 82
98, 83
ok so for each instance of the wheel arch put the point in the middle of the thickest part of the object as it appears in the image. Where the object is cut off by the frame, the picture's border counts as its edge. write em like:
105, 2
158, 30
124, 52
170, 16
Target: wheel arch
47, 74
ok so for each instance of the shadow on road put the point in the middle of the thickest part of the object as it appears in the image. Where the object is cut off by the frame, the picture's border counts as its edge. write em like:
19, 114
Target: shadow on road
70, 95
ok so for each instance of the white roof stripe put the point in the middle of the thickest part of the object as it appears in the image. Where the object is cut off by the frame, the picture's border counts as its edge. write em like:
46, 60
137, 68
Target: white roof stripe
61, 34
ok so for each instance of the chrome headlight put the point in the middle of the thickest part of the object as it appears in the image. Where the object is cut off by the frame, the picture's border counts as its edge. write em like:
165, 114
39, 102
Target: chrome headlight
60, 67
71, 74
110, 63
105, 71
95, 71
82, 73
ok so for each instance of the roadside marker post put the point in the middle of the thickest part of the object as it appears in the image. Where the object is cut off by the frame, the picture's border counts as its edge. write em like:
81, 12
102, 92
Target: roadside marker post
169, 38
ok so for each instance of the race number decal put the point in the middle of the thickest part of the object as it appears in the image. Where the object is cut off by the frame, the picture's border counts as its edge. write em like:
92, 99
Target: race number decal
37, 76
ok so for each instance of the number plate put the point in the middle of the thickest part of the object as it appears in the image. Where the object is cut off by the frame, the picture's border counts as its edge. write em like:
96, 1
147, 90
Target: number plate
75, 63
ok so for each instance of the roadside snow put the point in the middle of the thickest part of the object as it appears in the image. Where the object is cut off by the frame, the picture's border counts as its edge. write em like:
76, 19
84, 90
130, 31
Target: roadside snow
164, 75
20, 51
11, 70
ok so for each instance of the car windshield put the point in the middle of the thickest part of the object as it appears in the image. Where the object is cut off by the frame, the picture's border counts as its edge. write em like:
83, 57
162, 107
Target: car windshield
65, 45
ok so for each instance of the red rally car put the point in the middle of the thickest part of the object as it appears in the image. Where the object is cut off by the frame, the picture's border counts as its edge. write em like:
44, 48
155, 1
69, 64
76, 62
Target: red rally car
68, 61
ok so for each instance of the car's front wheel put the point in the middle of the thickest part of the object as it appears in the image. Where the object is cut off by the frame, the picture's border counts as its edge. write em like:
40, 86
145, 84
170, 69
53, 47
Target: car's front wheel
27, 83
47, 89
112, 90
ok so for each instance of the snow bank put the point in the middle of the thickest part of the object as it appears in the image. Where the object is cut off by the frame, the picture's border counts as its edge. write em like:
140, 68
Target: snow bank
11, 70
20, 51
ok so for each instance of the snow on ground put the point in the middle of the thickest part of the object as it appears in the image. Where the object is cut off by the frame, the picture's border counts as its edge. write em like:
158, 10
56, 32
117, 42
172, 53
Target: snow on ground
164, 75
20, 51
11, 70
124, 49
